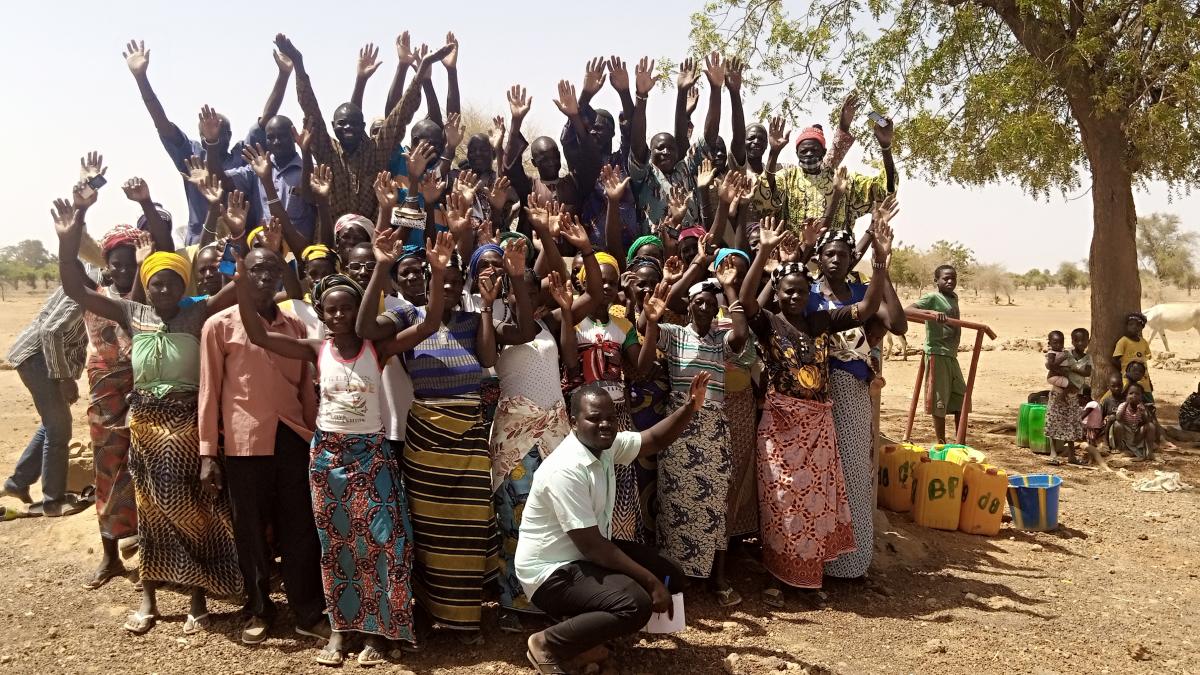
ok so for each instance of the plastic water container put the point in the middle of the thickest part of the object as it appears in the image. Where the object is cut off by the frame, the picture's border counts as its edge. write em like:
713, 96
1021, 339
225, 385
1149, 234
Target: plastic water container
1033, 501
1023, 425
896, 466
1036, 427
959, 454
937, 494
983, 493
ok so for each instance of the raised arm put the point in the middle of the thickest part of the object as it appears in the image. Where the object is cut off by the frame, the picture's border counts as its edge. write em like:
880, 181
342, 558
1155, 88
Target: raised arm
321, 143
278, 343
438, 256
614, 228
450, 61
137, 57
370, 324
524, 328
275, 98
737, 337
660, 436
69, 225
397, 120
545, 218
568, 348
485, 336
138, 191
368, 63
885, 135
319, 185
733, 82
689, 73
715, 71
518, 104
652, 311
777, 138
405, 55
770, 234
644, 80
260, 162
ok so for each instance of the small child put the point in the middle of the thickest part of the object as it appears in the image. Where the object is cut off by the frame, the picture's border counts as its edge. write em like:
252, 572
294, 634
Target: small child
1109, 404
1056, 359
1133, 429
1093, 426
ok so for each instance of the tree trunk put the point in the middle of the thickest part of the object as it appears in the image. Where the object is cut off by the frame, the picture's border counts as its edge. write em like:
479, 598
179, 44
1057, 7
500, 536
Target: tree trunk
1112, 265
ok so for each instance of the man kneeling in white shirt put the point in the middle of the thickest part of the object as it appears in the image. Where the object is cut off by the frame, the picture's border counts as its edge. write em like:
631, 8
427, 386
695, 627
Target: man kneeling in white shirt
597, 589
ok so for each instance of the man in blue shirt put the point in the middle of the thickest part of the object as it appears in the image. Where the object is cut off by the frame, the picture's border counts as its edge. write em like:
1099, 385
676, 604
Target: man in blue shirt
287, 173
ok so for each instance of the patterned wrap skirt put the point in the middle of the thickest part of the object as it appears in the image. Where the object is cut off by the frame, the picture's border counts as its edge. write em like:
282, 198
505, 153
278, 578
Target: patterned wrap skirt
361, 515
186, 536
1064, 417
852, 417
523, 434
741, 411
649, 404
448, 476
804, 515
628, 523
693, 483
116, 505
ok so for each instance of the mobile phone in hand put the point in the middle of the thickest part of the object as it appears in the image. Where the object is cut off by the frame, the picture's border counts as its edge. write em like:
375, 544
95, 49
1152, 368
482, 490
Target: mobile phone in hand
228, 265
96, 182
878, 119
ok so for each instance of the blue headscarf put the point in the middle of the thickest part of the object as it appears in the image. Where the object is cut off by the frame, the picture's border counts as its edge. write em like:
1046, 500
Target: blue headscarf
478, 255
412, 251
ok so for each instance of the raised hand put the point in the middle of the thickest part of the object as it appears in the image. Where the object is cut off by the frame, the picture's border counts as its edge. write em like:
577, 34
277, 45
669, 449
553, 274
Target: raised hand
385, 190
91, 165
698, 390
706, 249
733, 187
82, 196
514, 258
714, 69
419, 55
881, 230
418, 158
644, 77
770, 233
210, 124
614, 185
426, 65
321, 181
259, 161
593, 76
704, 176
484, 234
235, 213
289, 50
573, 231
518, 103
656, 302
811, 230
304, 134
849, 110
497, 195
440, 253
693, 98
458, 215
560, 291
196, 172
137, 57
678, 204
566, 101
489, 286
734, 68
777, 134
538, 212
618, 75
496, 134
454, 130
688, 74
885, 134
673, 270
63, 215
431, 188
841, 180
272, 235
136, 190
404, 49
466, 183
450, 60
282, 62
789, 248
143, 246
211, 189
727, 272
387, 245
368, 61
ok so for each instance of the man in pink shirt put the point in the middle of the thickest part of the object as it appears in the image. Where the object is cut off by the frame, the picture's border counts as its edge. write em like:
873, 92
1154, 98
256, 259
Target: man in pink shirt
261, 408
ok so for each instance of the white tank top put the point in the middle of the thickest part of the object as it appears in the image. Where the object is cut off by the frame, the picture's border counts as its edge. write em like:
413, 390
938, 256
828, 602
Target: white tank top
350, 391
532, 370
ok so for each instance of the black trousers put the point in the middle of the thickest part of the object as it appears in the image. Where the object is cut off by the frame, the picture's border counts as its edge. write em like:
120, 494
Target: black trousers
273, 492
595, 604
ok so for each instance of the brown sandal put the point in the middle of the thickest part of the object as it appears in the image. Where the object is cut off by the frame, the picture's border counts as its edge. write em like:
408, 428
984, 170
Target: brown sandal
551, 667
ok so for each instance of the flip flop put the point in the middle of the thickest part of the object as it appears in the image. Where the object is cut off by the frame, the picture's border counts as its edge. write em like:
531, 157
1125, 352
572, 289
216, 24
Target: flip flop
99, 580
773, 597
140, 624
195, 624
369, 656
728, 597
543, 667
329, 657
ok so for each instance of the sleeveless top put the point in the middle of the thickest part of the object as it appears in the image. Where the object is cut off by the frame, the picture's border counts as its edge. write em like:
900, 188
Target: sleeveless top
531, 370
350, 391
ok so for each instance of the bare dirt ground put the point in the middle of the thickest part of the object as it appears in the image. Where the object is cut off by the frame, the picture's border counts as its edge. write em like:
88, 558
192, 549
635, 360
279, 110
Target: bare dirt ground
1114, 590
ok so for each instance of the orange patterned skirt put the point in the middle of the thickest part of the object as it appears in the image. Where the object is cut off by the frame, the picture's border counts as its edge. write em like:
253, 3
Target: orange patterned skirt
804, 514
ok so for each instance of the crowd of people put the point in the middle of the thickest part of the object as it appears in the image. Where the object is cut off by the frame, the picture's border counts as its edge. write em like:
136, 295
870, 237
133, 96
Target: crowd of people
417, 382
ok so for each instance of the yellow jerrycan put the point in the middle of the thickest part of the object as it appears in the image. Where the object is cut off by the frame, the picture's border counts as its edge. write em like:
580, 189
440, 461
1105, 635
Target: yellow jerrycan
983, 494
896, 466
937, 494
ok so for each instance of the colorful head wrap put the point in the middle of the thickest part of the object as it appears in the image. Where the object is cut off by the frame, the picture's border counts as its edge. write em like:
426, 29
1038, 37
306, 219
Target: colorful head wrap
412, 251
832, 235
478, 255
335, 281
787, 269
602, 258
693, 231
723, 253
318, 252
165, 260
813, 133
642, 241
646, 261
119, 235
506, 237
351, 220
705, 286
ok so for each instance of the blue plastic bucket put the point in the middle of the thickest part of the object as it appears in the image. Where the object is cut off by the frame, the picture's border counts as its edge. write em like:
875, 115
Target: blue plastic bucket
1033, 501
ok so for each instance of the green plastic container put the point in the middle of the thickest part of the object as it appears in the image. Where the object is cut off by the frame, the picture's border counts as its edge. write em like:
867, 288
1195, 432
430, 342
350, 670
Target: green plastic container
1037, 430
1023, 425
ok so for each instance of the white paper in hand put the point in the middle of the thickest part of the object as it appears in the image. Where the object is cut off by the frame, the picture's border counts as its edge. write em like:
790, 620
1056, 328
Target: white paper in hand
660, 623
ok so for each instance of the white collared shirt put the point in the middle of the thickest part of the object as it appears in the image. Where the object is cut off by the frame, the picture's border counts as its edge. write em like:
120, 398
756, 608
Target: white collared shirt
572, 490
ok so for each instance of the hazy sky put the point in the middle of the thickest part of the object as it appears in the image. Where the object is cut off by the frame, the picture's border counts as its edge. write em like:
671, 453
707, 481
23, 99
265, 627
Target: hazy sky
68, 91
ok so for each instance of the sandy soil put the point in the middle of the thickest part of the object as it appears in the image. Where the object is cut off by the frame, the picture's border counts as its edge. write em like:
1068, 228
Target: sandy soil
1114, 590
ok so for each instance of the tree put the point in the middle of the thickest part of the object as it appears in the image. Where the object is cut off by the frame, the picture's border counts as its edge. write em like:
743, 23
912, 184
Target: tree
1164, 248
953, 253
994, 280
1028, 91
1069, 276
29, 253
909, 268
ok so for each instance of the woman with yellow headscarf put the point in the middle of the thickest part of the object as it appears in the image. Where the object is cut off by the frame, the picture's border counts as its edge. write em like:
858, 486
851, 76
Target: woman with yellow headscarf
186, 536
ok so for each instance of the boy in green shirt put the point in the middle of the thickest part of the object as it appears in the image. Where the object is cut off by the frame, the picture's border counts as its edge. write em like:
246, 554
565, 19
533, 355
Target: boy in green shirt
944, 384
